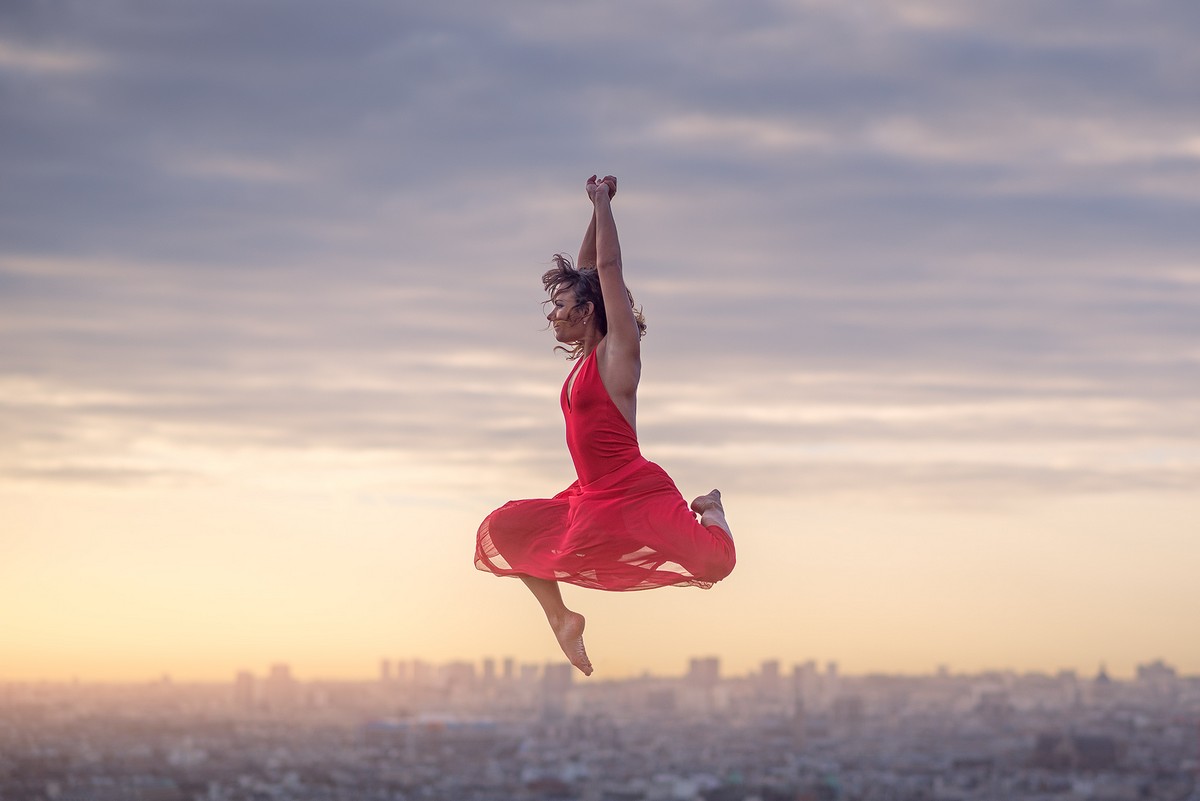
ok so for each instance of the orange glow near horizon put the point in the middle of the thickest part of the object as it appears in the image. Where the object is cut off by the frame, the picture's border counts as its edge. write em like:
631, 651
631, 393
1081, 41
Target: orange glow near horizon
200, 582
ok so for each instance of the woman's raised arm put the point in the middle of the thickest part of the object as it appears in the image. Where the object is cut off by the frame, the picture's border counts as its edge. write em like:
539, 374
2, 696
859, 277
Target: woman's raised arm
623, 341
587, 251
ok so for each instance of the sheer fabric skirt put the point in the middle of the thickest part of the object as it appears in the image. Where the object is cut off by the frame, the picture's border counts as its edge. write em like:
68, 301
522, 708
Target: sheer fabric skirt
628, 530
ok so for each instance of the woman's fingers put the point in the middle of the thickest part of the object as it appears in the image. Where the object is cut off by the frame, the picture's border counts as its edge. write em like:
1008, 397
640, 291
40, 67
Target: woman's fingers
609, 181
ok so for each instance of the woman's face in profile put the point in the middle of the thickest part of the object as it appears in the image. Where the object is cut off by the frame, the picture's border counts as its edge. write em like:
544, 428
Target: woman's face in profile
565, 316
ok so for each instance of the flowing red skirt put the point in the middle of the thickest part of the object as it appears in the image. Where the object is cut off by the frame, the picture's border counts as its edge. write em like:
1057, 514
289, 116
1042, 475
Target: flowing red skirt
628, 530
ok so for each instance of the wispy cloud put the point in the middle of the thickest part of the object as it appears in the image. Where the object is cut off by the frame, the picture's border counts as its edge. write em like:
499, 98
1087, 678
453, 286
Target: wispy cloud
18, 57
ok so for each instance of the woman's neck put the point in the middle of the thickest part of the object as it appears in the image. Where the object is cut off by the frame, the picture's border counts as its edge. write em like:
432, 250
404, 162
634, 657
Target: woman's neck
591, 342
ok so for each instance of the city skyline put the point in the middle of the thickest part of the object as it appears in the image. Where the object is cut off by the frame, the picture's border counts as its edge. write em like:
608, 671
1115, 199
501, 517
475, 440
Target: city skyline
920, 279
416, 671
808, 736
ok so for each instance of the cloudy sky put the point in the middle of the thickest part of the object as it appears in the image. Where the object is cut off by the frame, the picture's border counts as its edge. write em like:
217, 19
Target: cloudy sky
921, 277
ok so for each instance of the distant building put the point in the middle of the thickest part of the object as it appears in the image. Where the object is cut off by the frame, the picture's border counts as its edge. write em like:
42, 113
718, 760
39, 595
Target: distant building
995, 708
849, 714
422, 673
662, 700
459, 675
830, 683
1158, 680
385, 670
704, 671
489, 671
768, 678
243, 691
280, 690
1156, 672
806, 683
557, 677
1056, 751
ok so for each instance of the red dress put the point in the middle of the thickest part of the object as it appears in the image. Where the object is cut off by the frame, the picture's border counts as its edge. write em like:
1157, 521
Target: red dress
623, 525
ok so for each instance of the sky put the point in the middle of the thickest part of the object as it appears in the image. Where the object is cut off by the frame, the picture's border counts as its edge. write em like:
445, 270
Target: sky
921, 278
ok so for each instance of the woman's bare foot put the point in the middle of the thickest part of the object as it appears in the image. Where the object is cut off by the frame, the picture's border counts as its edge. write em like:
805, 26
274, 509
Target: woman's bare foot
569, 633
705, 502
711, 512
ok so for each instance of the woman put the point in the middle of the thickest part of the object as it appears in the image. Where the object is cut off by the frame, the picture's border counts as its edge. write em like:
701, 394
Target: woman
623, 525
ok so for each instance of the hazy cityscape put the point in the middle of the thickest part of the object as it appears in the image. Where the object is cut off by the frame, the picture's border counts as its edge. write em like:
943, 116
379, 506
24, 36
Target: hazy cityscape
500, 729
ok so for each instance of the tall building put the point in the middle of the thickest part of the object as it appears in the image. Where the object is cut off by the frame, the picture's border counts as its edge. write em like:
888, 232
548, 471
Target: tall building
806, 683
704, 671
830, 684
489, 671
768, 678
1157, 679
280, 691
385, 670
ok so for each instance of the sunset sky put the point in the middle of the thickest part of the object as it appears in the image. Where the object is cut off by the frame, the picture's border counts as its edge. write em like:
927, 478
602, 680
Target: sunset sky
922, 281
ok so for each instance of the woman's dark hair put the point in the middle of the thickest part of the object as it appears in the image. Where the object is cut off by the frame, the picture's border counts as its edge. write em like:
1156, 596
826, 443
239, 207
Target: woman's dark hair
585, 284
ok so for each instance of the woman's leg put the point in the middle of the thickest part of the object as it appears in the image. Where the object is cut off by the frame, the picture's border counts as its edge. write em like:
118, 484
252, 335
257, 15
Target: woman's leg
567, 625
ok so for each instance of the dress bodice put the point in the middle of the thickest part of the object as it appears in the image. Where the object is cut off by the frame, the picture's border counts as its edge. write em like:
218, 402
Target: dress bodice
599, 437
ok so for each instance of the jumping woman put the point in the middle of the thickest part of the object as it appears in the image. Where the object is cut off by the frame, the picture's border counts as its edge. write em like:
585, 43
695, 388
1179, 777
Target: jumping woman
623, 525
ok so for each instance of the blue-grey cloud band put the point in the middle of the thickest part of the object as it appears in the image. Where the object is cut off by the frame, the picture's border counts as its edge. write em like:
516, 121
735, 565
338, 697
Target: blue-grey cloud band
910, 229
